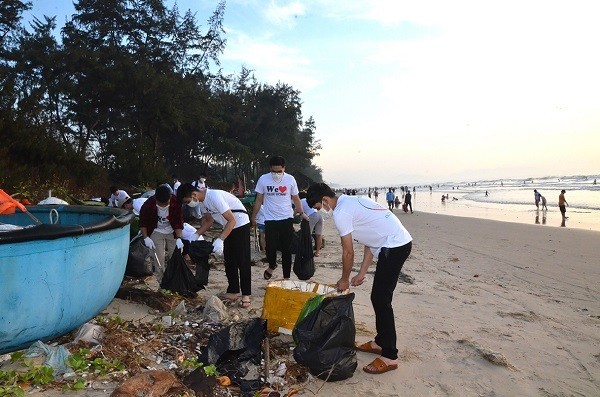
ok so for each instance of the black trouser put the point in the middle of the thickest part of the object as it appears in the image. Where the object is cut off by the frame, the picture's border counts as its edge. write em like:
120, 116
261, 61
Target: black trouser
389, 264
278, 236
236, 252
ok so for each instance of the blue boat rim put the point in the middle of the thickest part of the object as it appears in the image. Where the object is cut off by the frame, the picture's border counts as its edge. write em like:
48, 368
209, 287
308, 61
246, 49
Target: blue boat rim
118, 219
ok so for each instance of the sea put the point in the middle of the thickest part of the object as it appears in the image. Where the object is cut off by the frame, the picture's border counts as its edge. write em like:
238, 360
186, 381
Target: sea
512, 200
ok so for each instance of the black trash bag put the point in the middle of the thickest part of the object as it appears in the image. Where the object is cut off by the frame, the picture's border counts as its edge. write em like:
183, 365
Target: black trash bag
199, 251
304, 262
326, 339
235, 350
137, 264
178, 277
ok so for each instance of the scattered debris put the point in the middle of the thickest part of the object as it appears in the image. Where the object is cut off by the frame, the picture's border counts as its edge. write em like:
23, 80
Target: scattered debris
489, 355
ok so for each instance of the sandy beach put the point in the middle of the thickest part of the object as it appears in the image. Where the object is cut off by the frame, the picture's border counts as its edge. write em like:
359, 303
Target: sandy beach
494, 309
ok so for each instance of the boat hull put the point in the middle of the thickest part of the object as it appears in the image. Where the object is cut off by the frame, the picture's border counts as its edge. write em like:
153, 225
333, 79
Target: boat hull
51, 286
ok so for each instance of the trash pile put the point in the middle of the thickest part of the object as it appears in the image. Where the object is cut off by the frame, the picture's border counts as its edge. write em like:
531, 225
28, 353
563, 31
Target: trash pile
186, 347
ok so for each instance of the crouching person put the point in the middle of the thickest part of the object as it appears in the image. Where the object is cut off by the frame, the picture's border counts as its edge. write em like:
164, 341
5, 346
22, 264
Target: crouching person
161, 224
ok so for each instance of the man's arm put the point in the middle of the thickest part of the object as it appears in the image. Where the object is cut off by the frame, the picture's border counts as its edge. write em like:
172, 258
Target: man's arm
367, 261
228, 215
298, 205
347, 262
207, 221
257, 203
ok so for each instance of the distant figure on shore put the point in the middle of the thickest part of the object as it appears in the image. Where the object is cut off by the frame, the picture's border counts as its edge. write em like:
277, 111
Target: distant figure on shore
594, 181
396, 202
443, 198
537, 197
486, 193
544, 206
408, 200
562, 203
389, 197
376, 194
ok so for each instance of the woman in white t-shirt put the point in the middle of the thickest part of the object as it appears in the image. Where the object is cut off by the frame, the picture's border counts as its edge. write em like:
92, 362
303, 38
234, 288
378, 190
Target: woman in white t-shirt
380, 231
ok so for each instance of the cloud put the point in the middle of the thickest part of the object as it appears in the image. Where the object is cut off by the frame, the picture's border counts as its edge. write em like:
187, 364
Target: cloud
284, 15
271, 62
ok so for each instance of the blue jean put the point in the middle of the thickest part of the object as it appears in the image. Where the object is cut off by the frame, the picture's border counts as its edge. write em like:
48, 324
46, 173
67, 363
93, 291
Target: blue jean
389, 264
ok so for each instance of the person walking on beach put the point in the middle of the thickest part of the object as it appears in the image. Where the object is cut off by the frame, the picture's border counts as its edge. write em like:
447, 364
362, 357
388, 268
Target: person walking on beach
276, 191
562, 203
537, 196
233, 242
408, 200
389, 197
544, 206
383, 236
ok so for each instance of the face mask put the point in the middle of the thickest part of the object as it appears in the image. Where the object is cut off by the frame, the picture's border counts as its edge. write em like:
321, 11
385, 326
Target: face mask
277, 176
193, 203
160, 207
326, 209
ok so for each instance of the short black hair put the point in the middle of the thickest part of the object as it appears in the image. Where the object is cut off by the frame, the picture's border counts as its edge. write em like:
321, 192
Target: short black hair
316, 192
276, 160
185, 190
113, 189
163, 194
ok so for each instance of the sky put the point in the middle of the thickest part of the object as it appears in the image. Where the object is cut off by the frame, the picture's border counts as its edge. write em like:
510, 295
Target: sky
419, 92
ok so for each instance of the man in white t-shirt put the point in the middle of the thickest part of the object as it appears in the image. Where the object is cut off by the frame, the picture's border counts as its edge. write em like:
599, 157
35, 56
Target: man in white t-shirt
363, 220
275, 191
116, 195
233, 242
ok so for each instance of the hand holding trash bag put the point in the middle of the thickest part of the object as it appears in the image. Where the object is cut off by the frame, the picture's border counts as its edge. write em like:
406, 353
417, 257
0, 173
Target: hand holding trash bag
179, 244
218, 247
149, 243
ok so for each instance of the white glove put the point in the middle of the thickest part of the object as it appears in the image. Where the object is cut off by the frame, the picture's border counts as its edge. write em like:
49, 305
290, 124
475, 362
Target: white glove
179, 244
218, 247
149, 243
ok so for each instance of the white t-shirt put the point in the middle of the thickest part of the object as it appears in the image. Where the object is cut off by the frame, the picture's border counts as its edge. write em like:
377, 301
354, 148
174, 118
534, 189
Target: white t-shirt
370, 224
277, 200
217, 202
307, 210
137, 204
121, 194
163, 226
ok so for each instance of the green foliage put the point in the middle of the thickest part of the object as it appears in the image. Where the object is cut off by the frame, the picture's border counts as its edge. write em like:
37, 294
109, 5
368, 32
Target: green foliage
84, 361
129, 95
211, 370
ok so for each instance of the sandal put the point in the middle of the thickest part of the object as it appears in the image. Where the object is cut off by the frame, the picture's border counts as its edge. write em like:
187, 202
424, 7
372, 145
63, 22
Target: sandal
378, 366
268, 274
245, 302
367, 347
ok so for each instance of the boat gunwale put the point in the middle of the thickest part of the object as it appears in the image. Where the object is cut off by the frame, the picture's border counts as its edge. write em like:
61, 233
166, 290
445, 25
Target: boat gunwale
115, 218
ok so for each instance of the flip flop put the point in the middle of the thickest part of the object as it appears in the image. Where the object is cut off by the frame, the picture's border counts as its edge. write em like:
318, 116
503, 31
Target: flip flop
378, 366
268, 274
368, 348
